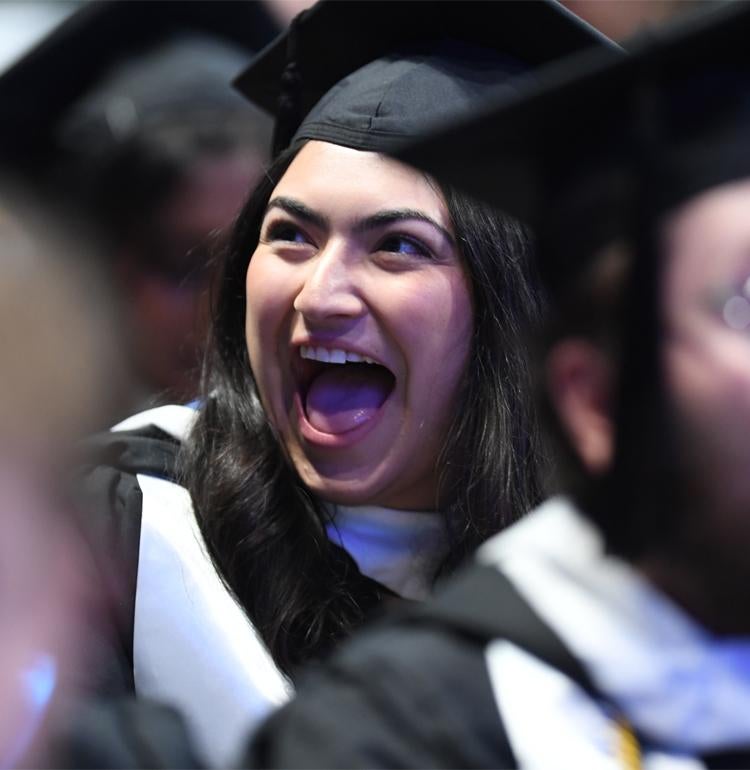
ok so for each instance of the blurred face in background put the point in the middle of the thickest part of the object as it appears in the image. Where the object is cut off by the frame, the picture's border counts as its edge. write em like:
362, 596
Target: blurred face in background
167, 291
707, 357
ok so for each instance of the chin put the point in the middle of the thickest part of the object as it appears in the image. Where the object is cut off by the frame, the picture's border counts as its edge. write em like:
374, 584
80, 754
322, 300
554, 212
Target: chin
350, 491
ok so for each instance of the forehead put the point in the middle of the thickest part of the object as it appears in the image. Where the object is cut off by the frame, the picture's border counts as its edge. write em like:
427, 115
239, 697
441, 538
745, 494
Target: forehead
336, 179
708, 241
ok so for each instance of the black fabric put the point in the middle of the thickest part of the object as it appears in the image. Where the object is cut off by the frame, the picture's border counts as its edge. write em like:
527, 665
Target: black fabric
483, 603
392, 698
394, 98
41, 87
120, 733
728, 760
148, 450
374, 84
110, 502
105, 725
677, 104
415, 691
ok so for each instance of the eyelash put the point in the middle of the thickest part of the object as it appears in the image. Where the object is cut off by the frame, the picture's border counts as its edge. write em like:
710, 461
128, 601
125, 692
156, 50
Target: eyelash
419, 247
280, 231
287, 232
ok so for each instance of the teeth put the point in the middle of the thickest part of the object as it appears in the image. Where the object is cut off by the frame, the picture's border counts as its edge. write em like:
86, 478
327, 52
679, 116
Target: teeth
333, 356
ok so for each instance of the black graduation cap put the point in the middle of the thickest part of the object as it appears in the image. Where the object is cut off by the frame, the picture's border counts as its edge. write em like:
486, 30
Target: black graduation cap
368, 74
593, 145
40, 88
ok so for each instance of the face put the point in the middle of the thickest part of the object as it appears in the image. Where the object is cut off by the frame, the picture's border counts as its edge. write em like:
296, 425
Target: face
707, 315
359, 323
169, 302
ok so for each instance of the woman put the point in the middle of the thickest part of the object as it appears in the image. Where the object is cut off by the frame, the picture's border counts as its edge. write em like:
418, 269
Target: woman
426, 296
365, 419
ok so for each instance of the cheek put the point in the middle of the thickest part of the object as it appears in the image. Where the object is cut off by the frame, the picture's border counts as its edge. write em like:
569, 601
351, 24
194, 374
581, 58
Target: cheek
442, 322
253, 305
711, 371
266, 303
709, 380
267, 311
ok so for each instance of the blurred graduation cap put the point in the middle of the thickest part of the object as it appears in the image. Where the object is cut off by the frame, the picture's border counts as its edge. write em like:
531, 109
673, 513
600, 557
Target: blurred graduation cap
369, 74
598, 148
41, 87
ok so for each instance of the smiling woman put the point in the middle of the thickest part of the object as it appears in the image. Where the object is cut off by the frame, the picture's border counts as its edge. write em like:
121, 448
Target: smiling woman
365, 418
359, 273
423, 429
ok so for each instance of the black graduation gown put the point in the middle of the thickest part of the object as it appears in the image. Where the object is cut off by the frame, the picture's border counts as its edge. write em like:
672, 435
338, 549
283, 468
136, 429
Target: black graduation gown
415, 692
103, 724
110, 500
108, 726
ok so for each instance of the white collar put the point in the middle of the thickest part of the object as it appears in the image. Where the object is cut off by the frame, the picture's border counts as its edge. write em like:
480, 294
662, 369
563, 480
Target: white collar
174, 419
400, 549
672, 679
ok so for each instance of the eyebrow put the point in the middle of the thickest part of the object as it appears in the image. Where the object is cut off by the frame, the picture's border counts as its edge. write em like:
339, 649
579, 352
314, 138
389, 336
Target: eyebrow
381, 219
298, 209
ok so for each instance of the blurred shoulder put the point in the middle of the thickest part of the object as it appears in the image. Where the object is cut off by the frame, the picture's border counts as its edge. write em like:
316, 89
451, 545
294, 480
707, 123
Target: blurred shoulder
397, 695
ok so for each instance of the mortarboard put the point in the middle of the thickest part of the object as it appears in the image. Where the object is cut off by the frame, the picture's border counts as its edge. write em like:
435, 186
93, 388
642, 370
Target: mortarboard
582, 149
76, 56
370, 74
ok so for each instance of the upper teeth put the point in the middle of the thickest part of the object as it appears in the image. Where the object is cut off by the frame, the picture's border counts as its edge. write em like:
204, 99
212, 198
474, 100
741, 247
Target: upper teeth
332, 355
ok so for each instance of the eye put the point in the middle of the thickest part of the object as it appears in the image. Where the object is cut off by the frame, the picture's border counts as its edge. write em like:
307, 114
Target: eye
736, 312
285, 231
401, 244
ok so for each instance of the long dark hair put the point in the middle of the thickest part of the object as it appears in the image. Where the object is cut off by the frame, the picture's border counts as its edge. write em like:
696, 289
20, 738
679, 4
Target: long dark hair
264, 528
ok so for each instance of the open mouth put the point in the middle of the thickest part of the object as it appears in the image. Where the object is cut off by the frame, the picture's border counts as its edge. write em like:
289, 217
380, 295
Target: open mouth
340, 390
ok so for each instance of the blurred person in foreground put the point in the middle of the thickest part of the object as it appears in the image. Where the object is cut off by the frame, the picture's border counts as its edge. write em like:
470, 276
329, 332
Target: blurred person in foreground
56, 344
610, 628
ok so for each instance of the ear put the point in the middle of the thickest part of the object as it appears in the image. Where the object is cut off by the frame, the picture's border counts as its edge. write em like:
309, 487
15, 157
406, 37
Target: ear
579, 382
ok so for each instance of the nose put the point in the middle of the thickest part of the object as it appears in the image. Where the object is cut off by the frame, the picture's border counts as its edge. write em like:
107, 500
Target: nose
330, 287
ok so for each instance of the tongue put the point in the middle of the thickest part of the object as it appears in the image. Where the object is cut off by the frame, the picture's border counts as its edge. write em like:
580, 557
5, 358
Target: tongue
343, 398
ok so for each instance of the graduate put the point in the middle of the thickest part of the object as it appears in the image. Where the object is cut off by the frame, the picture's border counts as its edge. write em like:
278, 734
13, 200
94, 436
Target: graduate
150, 151
365, 419
610, 628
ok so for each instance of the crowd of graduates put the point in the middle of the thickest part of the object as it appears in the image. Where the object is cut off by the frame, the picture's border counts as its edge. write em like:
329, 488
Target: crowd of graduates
422, 332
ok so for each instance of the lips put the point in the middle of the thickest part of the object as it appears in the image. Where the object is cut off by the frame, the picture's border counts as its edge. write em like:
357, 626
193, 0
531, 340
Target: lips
340, 390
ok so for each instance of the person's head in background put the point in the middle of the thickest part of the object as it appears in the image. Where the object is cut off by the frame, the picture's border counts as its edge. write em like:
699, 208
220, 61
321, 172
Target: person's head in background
686, 520
58, 348
643, 227
163, 155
